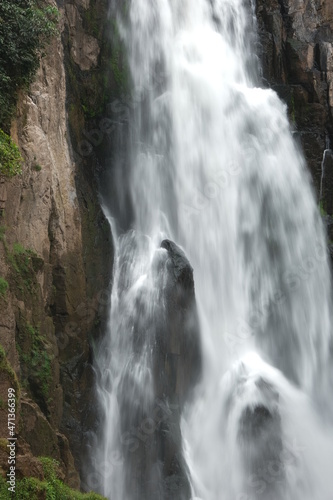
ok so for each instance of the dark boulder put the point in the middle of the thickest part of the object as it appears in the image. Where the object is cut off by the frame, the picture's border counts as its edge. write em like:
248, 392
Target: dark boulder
179, 348
165, 324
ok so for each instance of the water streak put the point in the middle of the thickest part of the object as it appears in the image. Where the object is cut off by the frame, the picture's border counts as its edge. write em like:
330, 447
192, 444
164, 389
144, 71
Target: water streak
213, 166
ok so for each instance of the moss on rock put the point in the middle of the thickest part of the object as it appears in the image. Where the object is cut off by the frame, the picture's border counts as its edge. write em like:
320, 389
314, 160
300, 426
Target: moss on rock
10, 156
6, 368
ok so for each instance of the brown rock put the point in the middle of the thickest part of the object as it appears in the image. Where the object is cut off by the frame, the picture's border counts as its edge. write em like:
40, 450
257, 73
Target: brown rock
53, 209
296, 39
84, 48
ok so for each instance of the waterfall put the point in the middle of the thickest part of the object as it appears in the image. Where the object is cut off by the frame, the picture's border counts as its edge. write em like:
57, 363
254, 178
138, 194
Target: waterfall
211, 164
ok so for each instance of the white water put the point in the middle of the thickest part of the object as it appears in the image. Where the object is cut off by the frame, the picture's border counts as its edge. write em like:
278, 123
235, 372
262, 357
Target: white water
213, 166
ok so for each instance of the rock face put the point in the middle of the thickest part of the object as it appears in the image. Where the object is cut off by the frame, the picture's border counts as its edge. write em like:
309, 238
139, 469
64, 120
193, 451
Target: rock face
297, 57
56, 255
177, 365
155, 466
180, 346
252, 419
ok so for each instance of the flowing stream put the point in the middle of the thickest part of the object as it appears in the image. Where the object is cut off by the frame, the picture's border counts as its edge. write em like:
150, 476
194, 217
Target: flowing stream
212, 165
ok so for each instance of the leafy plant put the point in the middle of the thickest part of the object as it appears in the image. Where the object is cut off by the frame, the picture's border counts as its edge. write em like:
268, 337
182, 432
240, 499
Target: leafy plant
26, 26
10, 156
3, 287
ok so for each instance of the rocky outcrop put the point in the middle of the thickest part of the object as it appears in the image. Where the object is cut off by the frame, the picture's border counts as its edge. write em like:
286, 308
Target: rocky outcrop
56, 256
297, 59
177, 364
167, 325
179, 352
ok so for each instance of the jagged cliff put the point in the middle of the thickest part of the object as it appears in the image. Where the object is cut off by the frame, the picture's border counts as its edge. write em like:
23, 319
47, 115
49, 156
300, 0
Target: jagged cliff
55, 255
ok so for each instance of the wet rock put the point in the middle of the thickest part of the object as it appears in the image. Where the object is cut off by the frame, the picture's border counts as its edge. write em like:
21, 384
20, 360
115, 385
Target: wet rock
296, 54
252, 403
84, 48
52, 211
327, 185
180, 345
151, 434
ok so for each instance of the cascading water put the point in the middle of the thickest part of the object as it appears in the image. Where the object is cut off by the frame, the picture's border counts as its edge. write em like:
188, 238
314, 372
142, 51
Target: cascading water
213, 166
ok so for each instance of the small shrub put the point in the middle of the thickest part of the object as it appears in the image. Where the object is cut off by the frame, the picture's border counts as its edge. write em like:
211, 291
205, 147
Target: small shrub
3, 287
37, 168
10, 156
30, 488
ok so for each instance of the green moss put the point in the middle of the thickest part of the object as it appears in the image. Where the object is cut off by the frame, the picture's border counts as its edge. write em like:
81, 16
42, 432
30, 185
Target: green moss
323, 212
3, 444
23, 262
2, 233
91, 20
37, 167
118, 63
3, 287
10, 156
31, 489
36, 362
293, 109
6, 367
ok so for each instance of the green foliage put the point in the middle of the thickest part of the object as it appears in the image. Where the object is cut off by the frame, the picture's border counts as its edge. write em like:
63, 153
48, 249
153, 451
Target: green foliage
10, 156
2, 232
33, 489
19, 249
91, 21
6, 367
3, 287
30, 488
50, 468
37, 361
50, 489
22, 263
323, 212
118, 64
26, 26
4, 493
37, 167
